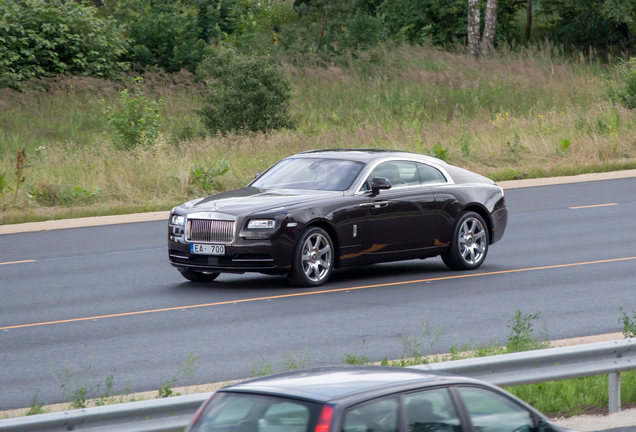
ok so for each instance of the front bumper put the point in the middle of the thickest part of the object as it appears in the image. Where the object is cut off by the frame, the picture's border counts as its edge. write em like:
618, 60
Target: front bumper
261, 256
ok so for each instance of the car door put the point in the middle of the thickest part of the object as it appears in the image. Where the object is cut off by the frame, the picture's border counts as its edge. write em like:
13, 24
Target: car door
490, 411
400, 219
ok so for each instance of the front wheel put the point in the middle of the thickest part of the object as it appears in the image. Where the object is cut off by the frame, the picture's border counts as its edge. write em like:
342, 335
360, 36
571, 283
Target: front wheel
194, 276
469, 245
313, 258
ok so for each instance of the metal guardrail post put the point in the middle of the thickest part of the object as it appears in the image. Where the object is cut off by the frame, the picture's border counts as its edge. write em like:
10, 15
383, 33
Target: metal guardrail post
614, 384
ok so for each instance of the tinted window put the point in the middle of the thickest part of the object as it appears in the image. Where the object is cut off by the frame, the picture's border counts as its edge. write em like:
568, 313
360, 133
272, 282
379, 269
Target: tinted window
252, 413
492, 412
430, 175
399, 173
431, 411
375, 416
315, 174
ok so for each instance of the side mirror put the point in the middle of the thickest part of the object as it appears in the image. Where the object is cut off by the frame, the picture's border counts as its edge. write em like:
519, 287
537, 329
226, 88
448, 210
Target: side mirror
258, 175
379, 183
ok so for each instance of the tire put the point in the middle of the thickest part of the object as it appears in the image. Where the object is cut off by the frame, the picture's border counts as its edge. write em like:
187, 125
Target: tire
313, 258
194, 276
469, 246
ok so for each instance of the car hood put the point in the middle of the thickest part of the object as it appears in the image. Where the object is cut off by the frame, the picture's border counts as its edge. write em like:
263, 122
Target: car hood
250, 200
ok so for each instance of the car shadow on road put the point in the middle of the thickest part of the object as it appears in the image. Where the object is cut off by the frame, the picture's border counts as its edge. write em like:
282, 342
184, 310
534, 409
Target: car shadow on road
375, 274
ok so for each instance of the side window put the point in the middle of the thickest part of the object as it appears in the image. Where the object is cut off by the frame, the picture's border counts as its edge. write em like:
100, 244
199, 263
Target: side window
375, 416
430, 175
399, 173
492, 412
431, 411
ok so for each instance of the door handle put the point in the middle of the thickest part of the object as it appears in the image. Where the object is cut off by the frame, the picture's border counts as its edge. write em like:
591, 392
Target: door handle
376, 204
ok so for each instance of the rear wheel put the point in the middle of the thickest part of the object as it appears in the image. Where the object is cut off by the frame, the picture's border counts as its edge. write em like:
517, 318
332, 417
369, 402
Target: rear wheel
469, 245
194, 276
313, 258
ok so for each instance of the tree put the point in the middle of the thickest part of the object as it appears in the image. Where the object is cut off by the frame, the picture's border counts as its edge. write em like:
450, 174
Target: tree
475, 42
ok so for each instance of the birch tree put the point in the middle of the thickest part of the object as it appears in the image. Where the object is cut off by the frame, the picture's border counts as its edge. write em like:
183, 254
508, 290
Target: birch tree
474, 38
475, 41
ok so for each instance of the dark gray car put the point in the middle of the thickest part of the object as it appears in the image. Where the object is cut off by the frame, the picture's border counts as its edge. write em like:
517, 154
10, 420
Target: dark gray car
366, 399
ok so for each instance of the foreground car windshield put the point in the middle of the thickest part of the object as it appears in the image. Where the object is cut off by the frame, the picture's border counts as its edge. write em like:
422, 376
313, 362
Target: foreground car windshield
315, 174
255, 413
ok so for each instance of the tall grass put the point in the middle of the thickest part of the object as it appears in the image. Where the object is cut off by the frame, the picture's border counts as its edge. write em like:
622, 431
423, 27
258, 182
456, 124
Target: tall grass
506, 117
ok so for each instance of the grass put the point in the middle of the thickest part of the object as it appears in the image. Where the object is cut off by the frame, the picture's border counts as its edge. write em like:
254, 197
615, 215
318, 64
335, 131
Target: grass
507, 117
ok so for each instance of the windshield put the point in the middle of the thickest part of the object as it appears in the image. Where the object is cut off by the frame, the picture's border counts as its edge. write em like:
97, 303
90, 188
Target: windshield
315, 174
238, 412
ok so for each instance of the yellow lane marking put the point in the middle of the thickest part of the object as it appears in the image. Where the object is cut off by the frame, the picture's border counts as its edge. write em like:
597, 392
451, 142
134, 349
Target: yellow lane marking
590, 206
315, 292
17, 262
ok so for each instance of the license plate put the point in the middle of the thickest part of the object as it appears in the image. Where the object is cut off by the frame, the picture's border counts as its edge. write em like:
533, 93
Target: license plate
206, 249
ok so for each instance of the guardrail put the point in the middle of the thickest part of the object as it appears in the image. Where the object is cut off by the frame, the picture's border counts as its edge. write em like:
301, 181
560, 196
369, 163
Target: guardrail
173, 414
551, 364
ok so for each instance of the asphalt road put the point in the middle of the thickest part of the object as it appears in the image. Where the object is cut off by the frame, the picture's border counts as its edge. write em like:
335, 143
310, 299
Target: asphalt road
547, 261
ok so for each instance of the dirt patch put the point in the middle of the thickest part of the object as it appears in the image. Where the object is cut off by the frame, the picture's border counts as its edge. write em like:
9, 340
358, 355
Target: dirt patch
588, 410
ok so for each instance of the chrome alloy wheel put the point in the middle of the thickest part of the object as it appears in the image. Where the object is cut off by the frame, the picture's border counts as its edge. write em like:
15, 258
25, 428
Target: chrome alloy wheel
316, 257
472, 241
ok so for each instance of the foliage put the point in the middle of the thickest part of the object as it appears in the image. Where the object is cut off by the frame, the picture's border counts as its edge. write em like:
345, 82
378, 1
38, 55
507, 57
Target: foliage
441, 21
207, 177
173, 35
587, 22
4, 188
521, 337
186, 369
331, 26
138, 121
247, 93
36, 408
629, 324
440, 152
564, 146
515, 149
261, 367
44, 38
77, 386
293, 361
624, 94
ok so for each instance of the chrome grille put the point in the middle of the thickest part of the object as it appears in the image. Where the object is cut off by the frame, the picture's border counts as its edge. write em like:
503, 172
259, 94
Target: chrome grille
210, 231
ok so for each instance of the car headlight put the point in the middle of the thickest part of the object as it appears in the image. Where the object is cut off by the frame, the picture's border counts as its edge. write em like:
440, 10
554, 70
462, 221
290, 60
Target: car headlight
177, 220
261, 224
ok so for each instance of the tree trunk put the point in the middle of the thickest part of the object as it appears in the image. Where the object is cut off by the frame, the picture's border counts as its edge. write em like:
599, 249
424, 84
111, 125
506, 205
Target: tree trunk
474, 38
528, 19
490, 24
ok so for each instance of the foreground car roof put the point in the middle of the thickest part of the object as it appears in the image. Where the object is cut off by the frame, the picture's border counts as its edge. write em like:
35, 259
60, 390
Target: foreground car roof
339, 382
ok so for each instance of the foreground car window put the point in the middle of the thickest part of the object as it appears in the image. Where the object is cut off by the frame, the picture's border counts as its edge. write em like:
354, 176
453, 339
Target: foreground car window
375, 416
255, 413
314, 174
495, 413
431, 410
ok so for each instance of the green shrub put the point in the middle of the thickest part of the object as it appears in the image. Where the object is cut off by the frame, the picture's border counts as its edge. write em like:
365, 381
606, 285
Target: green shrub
169, 34
625, 94
629, 324
207, 177
41, 38
521, 337
138, 121
247, 93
